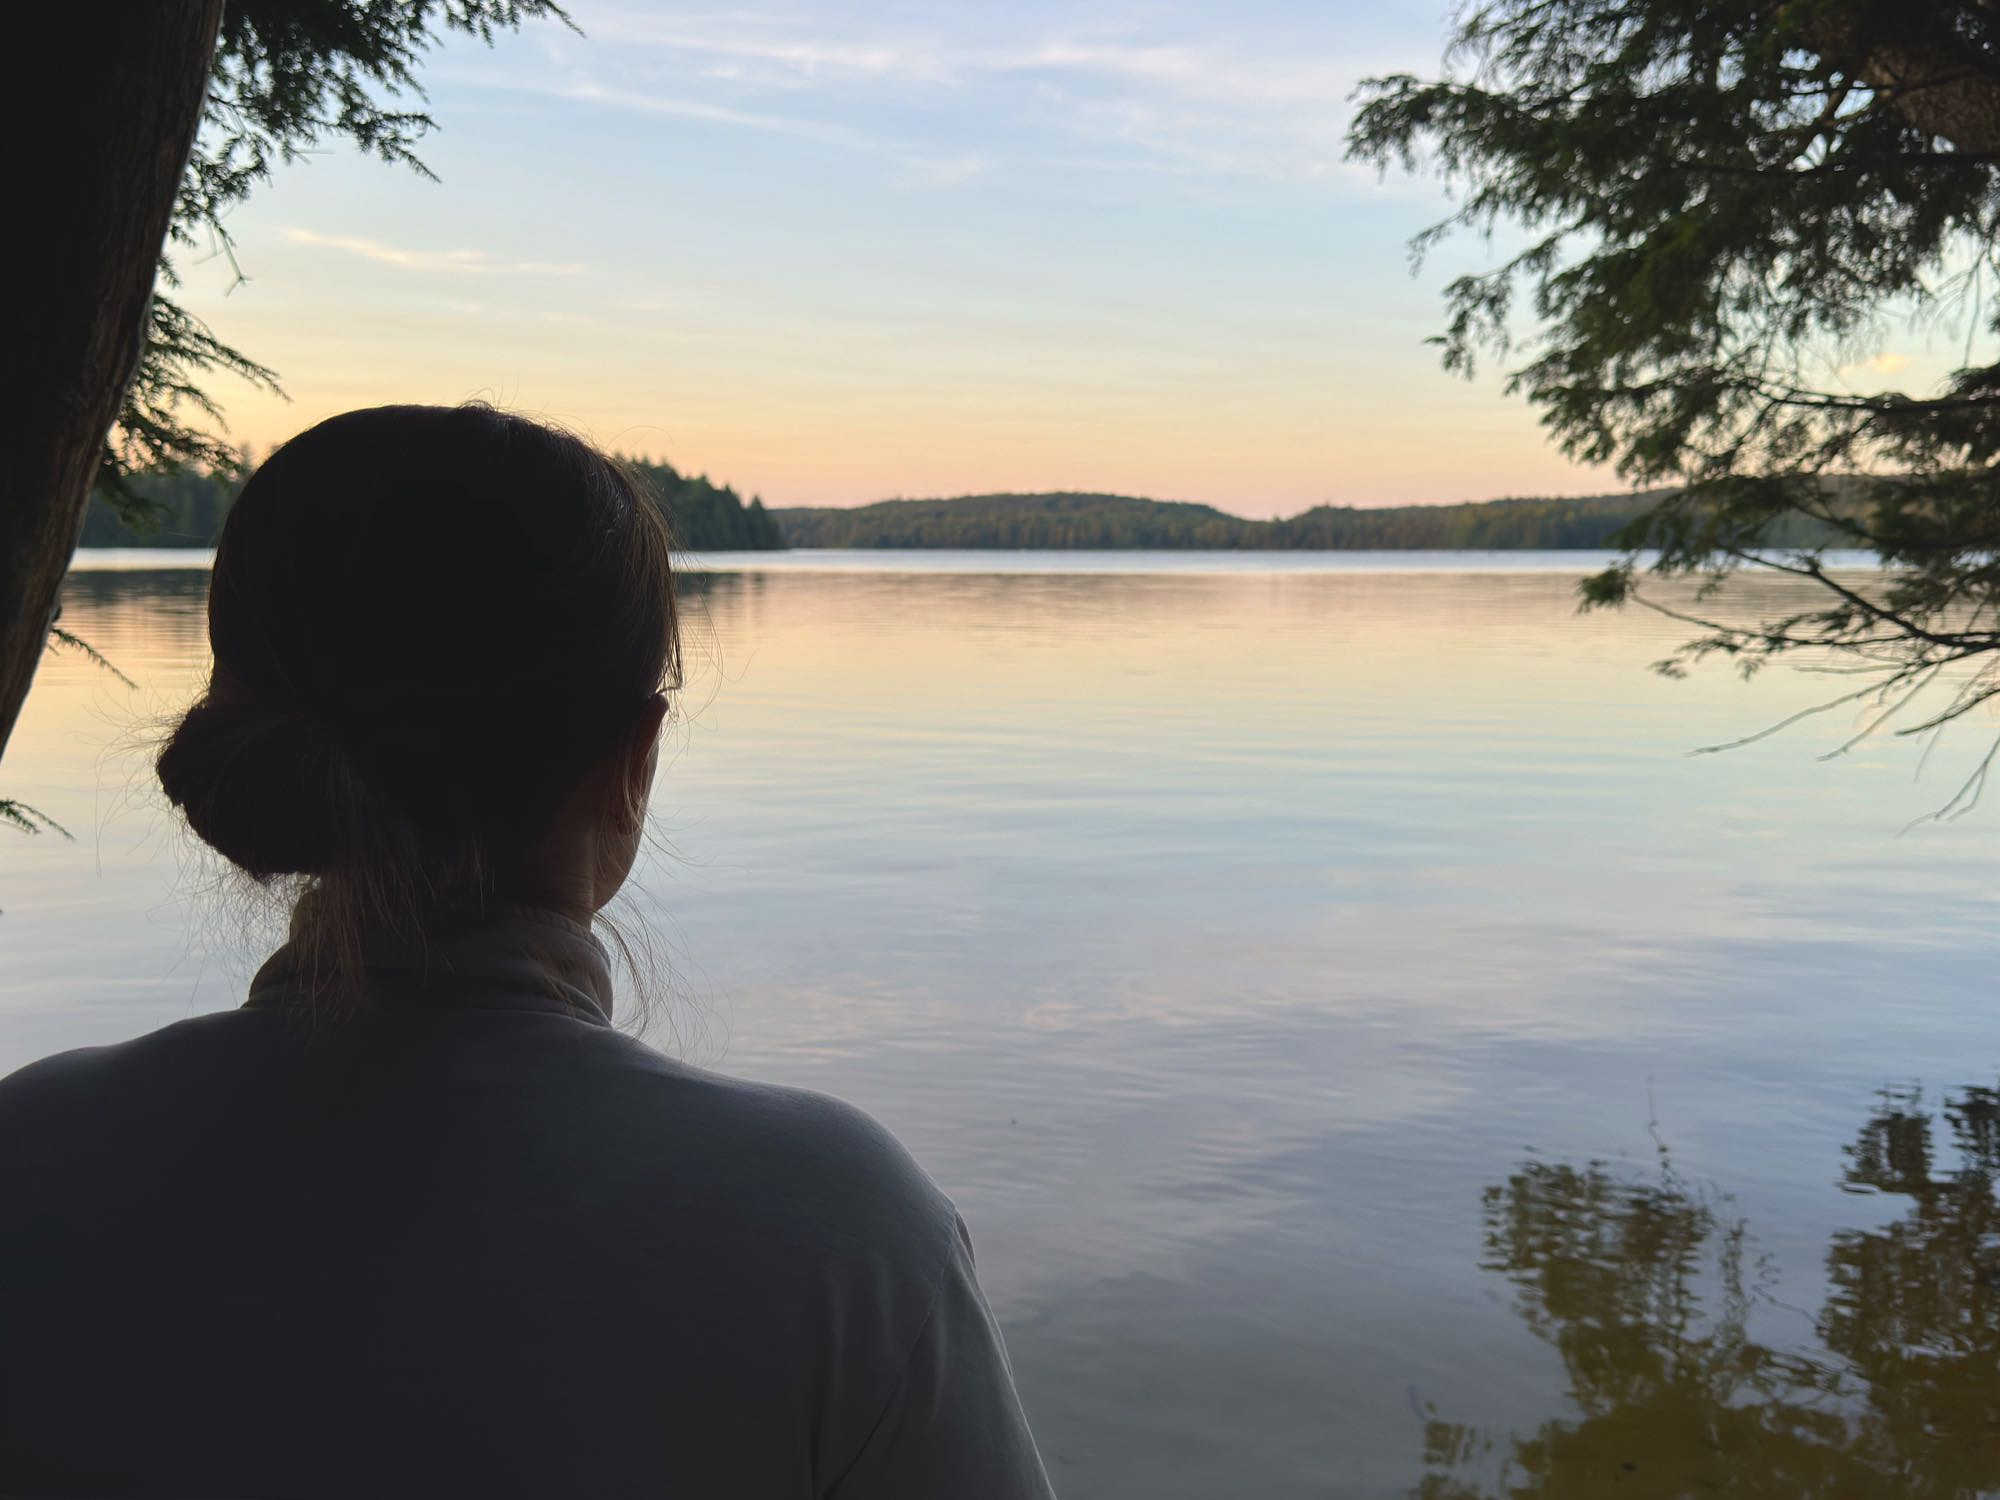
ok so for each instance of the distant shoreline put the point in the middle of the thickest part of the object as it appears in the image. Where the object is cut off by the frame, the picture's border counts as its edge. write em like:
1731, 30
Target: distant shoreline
1098, 522
189, 509
1075, 562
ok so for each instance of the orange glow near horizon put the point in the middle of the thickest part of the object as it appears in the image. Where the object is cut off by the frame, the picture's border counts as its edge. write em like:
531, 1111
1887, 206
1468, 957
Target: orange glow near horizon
928, 256
796, 441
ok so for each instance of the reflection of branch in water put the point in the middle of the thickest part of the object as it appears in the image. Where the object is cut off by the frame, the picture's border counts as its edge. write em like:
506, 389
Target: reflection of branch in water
1640, 1286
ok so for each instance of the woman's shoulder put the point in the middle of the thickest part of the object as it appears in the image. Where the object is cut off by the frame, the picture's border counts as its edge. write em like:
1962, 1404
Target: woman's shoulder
786, 1170
792, 1187
90, 1111
816, 1154
74, 1077
801, 1164
137, 1076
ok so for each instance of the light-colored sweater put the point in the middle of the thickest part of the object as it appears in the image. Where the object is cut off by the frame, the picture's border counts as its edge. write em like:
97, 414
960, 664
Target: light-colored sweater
473, 1241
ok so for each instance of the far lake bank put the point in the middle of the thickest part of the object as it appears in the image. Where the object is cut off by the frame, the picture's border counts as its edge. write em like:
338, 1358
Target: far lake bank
1578, 561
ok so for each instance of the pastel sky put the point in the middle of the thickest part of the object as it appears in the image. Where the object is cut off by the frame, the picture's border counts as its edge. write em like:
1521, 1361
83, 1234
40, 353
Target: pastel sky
833, 253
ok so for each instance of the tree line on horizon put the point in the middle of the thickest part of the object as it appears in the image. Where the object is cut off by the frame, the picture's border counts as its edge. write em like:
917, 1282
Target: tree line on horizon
1090, 521
186, 508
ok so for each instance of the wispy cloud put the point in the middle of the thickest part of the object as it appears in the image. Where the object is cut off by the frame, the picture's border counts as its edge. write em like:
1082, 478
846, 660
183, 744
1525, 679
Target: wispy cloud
944, 170
649, 102
1318, 85
1204, 69
1234, 102
1880, 364
766, 49
455, 262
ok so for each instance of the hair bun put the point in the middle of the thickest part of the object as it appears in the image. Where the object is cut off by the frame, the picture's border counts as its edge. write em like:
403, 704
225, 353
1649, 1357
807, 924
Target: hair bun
258, 784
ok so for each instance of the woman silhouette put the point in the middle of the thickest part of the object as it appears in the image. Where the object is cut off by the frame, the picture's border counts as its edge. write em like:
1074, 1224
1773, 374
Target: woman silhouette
415, 1220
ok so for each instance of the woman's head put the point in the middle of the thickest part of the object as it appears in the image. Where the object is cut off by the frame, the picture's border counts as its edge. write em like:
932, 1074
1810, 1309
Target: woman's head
440, 638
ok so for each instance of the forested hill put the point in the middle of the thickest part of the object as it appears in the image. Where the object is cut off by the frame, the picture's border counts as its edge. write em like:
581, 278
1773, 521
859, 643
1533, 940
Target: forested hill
1119, 521
1019, 521
186, 510
708, 517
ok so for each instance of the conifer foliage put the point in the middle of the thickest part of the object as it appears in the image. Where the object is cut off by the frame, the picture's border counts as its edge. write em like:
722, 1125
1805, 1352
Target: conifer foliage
288, 77
173, 113
1714, 214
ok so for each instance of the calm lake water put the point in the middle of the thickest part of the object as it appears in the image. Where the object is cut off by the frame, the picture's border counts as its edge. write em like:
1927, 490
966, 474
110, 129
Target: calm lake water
1373, 1055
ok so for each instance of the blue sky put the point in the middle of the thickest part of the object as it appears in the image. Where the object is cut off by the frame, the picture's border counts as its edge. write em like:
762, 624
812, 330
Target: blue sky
834, 253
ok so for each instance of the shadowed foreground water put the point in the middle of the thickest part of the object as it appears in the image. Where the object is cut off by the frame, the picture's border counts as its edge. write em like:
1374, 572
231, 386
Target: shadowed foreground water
1373, 1056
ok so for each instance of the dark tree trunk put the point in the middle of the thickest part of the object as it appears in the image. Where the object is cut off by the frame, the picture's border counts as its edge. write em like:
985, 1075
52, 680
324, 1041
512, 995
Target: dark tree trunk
1940, 93
1940, 81
102, 101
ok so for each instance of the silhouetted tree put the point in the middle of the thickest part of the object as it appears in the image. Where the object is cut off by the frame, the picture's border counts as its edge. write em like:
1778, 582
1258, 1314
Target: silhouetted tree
705, 516
102, 103
186, 508
1721, 201
149, 123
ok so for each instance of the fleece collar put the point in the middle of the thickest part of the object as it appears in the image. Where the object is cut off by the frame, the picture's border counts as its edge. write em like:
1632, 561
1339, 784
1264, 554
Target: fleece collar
520, 958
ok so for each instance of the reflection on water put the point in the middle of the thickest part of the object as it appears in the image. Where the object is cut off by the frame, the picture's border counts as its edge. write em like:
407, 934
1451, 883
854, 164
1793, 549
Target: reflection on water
144, 616
1646, 1287
1215, 937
